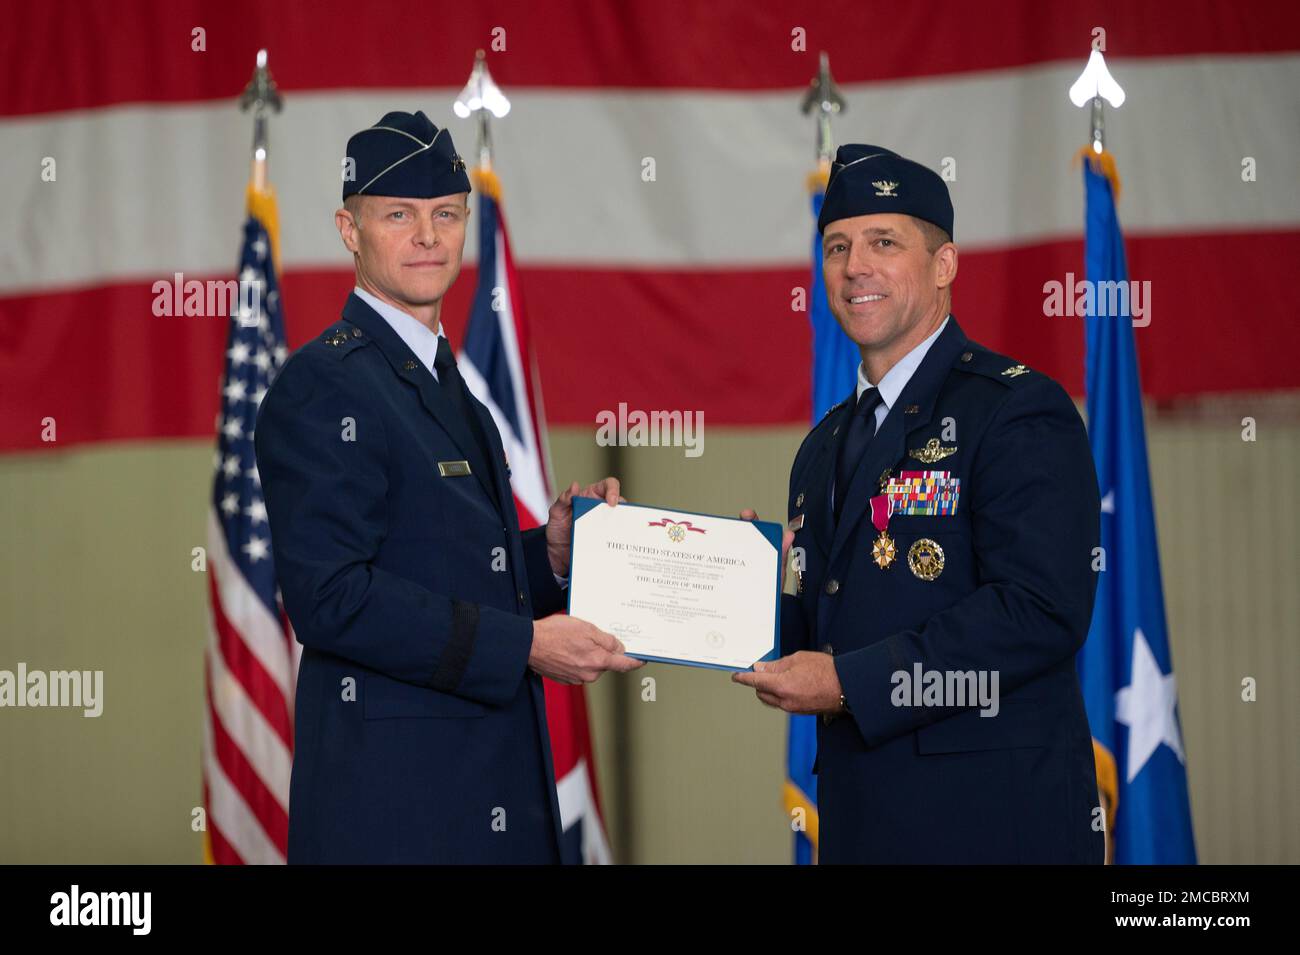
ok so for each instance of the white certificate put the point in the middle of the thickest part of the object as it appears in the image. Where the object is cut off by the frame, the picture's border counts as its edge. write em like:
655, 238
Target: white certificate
678, 587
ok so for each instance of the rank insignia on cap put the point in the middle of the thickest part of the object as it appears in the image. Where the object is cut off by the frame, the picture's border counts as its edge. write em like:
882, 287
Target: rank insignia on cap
886, 187
457, 164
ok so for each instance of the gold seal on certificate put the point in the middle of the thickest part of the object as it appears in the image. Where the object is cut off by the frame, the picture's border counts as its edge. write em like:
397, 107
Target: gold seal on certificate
678, 587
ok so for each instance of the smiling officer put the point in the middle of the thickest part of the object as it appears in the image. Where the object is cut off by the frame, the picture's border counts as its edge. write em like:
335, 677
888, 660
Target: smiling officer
420, 722
945, 518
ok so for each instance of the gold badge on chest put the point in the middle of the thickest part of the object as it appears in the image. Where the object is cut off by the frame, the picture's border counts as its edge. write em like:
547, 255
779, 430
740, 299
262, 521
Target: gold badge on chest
932, 452
925, 559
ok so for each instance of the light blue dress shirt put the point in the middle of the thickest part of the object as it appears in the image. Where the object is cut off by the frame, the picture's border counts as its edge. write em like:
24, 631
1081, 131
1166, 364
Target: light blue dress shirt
410, 329
421, 340
895, 380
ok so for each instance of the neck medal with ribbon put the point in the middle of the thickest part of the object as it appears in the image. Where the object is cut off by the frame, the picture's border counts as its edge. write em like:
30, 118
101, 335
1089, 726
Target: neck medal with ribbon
883, 551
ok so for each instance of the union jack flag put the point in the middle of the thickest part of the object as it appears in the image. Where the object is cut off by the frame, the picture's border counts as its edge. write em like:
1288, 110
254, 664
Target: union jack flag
497, 365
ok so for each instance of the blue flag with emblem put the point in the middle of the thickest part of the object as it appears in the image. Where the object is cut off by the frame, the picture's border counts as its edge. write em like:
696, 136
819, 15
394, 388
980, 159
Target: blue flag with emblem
1125, 666
834, 373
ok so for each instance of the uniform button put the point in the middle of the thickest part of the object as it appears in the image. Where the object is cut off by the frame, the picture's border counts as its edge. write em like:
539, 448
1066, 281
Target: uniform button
356, 333
522, 599
832, 586
967, 356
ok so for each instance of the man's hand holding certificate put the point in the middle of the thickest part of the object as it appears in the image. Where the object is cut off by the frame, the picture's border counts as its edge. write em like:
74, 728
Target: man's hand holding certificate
678, 587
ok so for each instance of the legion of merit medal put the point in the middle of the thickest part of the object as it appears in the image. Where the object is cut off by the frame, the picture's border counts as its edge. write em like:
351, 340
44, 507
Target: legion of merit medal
883, 550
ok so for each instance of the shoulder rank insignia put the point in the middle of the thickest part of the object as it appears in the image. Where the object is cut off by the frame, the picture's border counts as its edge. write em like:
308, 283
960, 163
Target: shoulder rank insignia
1015, 371
932, 452
337, 337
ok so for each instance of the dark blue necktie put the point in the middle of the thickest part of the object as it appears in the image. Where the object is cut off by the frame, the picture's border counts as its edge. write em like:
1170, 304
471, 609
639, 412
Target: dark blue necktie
858, 434
453, 386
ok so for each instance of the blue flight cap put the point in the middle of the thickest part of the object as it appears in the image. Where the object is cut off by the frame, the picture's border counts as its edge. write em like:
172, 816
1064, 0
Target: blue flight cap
870, 179
404, 155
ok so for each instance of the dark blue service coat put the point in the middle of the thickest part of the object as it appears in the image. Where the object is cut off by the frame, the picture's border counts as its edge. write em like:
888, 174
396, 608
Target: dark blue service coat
907, 783
420, 733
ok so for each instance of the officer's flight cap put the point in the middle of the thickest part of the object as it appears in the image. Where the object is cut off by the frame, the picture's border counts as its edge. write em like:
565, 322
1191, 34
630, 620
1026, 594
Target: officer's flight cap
404, 155
870, 179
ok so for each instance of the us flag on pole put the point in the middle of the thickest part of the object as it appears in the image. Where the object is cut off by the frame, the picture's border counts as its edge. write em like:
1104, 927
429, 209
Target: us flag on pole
497, 365
251, 655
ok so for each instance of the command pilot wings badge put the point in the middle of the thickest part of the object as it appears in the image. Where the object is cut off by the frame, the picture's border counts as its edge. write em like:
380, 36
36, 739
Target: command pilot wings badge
933, 451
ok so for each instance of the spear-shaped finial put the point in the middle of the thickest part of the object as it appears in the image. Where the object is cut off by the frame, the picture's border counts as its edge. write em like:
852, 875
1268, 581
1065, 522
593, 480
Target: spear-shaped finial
480, 97
1094, 85
260, 95
824, 97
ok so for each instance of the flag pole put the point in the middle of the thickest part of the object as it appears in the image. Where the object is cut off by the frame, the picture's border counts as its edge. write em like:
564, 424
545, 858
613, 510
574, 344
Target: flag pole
823, 98
481, 97
1094, 88
834, 363
257, 328
261, 96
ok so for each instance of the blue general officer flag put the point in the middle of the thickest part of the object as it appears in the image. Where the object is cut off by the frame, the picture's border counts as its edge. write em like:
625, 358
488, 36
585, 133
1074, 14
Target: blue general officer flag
1125, 666
834, 375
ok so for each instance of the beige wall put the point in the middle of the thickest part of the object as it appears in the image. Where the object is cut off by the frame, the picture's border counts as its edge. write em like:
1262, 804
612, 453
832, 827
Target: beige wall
95, 574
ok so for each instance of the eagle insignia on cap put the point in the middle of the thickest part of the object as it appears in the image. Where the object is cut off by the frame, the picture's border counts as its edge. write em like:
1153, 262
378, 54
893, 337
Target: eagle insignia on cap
457, 164
886, 187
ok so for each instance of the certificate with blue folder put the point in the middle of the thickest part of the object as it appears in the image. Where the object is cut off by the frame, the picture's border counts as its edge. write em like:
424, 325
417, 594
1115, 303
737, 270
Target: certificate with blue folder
678, 587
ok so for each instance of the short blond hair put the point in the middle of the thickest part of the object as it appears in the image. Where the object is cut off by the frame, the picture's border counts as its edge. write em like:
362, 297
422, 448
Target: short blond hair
353, 204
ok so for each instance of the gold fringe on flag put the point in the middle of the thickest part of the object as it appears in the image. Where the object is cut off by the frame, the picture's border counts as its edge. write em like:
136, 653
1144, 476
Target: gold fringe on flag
1103, 164
486, 181
816, 181
794, 798
261, 206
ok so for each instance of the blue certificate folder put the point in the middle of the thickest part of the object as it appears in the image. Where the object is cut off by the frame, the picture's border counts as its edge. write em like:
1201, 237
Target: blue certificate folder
771, 533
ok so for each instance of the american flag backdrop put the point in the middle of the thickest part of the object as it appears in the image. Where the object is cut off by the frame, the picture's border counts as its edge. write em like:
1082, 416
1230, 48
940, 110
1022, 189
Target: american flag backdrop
656, 159
251, 656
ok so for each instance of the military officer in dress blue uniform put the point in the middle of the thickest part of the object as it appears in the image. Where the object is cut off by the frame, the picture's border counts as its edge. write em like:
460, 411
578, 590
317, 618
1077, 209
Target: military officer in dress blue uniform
420, 721
945, 520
